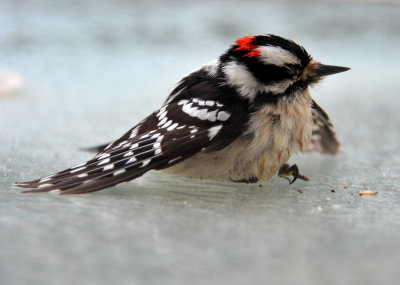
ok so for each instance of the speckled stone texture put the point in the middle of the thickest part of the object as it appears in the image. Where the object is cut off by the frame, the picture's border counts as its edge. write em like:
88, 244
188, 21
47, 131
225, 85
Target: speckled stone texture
93, 69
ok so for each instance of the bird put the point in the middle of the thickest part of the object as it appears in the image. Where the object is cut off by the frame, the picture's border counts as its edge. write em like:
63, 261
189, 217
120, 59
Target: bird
238, 118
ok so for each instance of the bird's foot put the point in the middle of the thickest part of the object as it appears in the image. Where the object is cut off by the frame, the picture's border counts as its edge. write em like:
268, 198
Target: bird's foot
247, 180
287, 170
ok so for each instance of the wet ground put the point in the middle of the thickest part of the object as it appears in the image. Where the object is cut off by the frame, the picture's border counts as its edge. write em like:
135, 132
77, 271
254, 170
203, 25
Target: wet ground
91, 70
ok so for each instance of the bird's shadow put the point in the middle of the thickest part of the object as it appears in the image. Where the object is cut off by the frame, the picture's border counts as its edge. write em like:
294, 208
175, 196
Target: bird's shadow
161, 189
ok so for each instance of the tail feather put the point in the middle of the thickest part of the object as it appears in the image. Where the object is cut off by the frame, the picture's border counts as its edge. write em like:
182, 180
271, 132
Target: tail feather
96, 173
130, 157
96, 181
94, 165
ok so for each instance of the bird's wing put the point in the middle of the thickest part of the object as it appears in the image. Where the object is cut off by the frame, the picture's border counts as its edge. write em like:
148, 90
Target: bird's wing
323, 137
172, 134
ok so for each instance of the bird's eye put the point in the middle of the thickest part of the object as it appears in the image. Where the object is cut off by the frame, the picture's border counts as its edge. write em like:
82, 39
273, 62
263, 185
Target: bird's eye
292, 71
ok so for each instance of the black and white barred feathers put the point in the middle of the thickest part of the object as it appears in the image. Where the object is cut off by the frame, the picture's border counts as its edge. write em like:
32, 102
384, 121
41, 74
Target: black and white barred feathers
210, 109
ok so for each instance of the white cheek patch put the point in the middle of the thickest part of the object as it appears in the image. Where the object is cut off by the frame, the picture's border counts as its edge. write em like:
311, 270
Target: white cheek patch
276, 56
237, 75
247, 85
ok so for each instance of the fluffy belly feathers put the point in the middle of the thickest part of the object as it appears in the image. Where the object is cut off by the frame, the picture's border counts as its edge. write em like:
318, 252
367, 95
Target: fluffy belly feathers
273, 134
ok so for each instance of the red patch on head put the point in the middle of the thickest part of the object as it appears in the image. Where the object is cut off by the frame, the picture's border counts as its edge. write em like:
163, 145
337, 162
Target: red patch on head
246, 43
254, 52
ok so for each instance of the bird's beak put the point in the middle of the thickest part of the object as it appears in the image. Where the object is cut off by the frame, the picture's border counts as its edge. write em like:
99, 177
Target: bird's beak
321, 70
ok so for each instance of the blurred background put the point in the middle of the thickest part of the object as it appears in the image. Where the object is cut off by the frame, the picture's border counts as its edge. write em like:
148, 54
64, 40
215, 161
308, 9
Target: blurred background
80, 73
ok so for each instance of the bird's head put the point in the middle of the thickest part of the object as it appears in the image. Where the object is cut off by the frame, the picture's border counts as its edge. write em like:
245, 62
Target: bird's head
271, 67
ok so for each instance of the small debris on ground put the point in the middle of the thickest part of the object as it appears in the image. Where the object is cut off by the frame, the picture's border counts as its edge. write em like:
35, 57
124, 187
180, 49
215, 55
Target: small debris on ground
300, 191
367, 193
259, 185
345, 183
333, 191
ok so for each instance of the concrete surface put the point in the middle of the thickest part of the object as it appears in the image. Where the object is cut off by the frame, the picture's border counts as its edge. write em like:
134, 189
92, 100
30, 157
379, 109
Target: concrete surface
92, 69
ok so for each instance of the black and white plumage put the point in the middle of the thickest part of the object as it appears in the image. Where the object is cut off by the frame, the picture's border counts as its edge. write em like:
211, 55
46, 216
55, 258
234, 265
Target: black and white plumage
239, 117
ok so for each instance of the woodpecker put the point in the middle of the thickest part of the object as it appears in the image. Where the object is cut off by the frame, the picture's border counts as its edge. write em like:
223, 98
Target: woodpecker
237, 118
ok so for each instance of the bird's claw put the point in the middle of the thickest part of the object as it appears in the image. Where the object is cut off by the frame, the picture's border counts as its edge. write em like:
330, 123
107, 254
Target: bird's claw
287, 170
